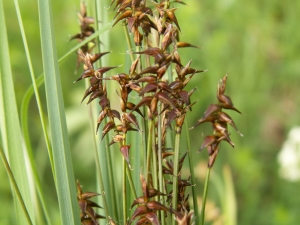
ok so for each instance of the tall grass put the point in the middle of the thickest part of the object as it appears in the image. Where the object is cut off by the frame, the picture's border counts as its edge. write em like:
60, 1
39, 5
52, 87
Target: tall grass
152, 184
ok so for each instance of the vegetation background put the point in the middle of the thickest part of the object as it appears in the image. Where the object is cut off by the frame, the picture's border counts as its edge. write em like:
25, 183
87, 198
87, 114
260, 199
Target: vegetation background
257, 42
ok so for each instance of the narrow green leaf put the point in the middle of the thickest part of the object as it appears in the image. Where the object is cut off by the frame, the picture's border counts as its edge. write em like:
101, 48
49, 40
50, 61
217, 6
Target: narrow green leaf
65, 182
13, 142
14, 184
25, 123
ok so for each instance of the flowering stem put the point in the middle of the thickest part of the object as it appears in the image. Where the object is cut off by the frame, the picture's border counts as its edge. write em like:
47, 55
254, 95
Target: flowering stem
191, 165
204, 196
131, 181
154, 159
175, 170
160, 174
149, 149
105, 156
98, 168
111, 179
124, 191
128, 42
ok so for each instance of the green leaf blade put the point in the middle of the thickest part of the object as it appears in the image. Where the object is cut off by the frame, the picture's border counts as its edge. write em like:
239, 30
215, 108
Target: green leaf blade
11, 131
65, 182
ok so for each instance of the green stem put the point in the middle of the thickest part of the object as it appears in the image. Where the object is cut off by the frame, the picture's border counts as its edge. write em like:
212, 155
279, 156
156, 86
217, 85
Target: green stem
98, 167
128, 42
204, 196
131, 182
154, 161
175, 170
160, 174
14, 184
191, 165
124, 191
100, 15
149, 150
111, 180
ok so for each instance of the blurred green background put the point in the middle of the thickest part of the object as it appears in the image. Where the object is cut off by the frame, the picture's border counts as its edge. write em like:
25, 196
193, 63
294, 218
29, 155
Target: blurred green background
256, 42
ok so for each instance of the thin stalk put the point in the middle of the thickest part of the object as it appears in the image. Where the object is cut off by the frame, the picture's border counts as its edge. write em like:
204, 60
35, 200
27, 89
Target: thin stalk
124, 191
144, 142
14, 184
160, 174
138, 152
154, 161
98, 167
126, 32
100, 15
144, 110
204, 196
191, 165
175, 170
149, 150
129, 177
111, 181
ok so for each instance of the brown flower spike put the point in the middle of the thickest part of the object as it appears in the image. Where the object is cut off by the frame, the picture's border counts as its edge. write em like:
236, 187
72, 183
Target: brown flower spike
87, 214
219, 121
146, 209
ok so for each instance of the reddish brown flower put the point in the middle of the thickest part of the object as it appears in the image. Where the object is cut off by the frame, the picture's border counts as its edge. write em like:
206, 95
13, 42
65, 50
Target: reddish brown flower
219, 121
146, 209
87, 213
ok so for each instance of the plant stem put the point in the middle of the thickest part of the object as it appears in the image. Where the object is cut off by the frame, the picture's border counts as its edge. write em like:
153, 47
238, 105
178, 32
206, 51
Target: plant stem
14, 184
149, 150
128, 42
106, 158
205, 195
191, 165
154, 160
98, 167
175, 170
131, 182
160, 174
124, 191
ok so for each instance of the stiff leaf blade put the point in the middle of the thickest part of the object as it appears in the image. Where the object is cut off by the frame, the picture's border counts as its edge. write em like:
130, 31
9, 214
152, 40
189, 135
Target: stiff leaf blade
65, 182
11, 131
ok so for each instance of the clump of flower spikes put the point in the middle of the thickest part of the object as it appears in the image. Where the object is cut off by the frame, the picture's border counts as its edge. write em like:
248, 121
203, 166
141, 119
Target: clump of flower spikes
88, 216
155, 91
219, 121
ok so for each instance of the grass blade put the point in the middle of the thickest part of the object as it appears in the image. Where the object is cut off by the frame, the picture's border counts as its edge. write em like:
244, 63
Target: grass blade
14, 184
65, 182
25, 124
11, 128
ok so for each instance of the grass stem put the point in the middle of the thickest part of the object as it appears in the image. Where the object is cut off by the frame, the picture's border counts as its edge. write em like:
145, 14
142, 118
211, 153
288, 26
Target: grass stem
175, 170
191, 165
204, 196
149, 150
124, 191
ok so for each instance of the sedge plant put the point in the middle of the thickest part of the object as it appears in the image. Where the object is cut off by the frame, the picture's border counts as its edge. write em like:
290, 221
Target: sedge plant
154, 104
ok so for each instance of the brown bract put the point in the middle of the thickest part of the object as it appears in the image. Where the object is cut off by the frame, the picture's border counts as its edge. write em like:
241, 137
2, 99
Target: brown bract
219, 121
146, 209
86, 30
88, 215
